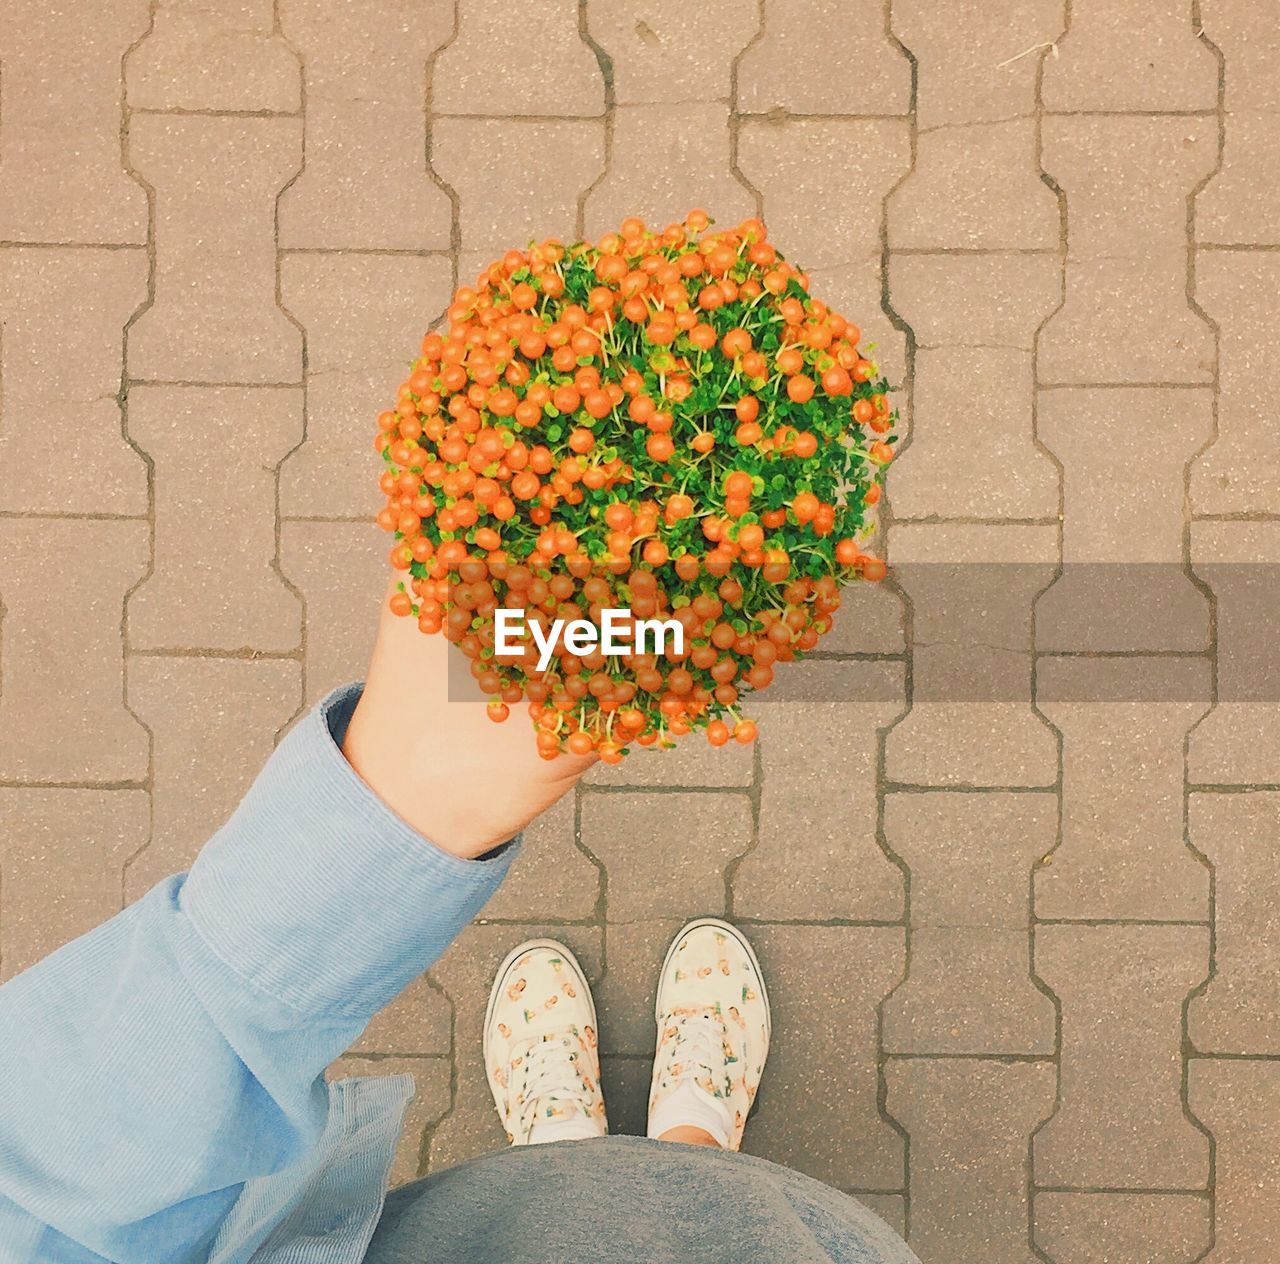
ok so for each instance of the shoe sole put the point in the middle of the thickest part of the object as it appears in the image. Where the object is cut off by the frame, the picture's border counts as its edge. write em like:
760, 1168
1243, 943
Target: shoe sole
729, 929
499, 978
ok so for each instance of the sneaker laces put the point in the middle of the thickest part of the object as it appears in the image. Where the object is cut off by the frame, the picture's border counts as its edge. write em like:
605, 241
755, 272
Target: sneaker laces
698, 1045
549, 1075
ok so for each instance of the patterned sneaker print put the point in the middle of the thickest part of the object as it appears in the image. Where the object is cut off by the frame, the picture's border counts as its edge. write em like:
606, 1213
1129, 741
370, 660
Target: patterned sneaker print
713, 1022
540, 1047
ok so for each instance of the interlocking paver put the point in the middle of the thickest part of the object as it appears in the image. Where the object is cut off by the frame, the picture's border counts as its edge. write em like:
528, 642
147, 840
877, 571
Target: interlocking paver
1120, 1123
1126, 317
1237, 1100
973, 446
465, 973
215, 450
1120, 55
215, 316
1078, 1228
817, 856
969, 987
642, 839
972, 587
1241, 204
976, 182
364, 316
666, 159
969, 1122
691, 762
48, 325
1123, 853
1238, 742
812, 57
537, 65
62, 712
61, 103
61, 857
824, 211
432, 1082
1240, 471
671, 51
552, 876
869, 621
1239, 1011
517, 180
365, 184
628, 990
221, 56
1123, 587
825, 983
213, 723
340, 569
418, 1023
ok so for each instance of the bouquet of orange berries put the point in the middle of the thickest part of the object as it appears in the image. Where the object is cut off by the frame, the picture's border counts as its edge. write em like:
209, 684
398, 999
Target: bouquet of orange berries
661, 425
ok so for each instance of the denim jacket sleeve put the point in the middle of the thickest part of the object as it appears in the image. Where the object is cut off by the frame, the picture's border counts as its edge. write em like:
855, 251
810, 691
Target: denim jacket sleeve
153, 1068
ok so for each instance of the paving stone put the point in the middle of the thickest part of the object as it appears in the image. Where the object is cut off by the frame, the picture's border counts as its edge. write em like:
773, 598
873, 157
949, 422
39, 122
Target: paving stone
869, 621
1122, 853
1238, 742
418, 1023
1120, 1123
215, 316
552, 878
465, 973
61, 857
1120, 55
1123, 586
626, 1083
1127, 180
364, 317
216, 55
891, 1208
213, 723
62, 714
1237, 1102
972, 587
816, 58
1239, 1010
691, 762
628, 990
969, 986
48, 326
825, 983
1082, 1228
969, 1123
1241, 204
496, 66
340, 569
365, 184
817, 855
974, 318
669, 51
665, 160
517, 180
431, 1077
215, 452
824, 211
1240, 471
61, 102
665, 855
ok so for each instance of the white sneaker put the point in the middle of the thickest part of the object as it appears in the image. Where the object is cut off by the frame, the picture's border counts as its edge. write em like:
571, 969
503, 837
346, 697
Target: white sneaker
713, 1033
540, 1047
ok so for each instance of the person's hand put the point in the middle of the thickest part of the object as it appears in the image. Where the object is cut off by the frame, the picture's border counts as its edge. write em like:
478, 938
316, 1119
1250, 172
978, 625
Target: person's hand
440, 762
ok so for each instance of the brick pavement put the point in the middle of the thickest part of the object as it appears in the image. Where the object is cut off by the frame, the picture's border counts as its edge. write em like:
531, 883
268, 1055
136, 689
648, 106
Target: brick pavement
1025, 959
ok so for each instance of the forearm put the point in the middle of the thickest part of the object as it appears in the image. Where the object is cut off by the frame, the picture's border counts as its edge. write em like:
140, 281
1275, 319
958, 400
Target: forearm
150, 1068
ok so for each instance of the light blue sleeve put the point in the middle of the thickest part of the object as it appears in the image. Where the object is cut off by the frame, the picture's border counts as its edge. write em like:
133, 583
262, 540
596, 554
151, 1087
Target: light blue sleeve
152, 1067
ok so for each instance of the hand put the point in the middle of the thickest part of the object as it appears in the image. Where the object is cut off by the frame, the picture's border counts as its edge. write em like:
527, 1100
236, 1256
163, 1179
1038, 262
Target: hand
438, 761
